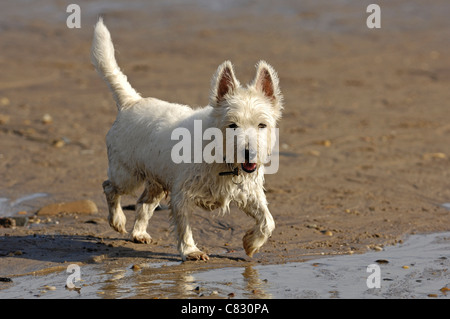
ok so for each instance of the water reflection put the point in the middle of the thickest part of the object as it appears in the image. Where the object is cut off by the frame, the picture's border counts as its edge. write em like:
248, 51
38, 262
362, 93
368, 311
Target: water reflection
173, 280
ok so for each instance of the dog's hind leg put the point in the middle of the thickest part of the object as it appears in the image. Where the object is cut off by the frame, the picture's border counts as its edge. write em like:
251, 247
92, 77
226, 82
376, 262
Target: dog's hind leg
145, 207
116, 216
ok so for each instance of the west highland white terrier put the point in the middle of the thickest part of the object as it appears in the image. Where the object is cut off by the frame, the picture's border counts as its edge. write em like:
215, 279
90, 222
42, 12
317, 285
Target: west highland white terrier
142, 148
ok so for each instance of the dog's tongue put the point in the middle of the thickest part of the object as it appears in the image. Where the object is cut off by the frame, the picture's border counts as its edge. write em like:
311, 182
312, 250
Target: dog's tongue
249, 166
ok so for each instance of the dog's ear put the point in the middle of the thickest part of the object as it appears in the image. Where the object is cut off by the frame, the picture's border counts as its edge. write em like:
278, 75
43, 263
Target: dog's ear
266, 81
224, 82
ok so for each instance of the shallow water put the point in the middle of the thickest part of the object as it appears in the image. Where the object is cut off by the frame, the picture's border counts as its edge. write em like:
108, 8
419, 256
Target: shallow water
418, 268
10, 207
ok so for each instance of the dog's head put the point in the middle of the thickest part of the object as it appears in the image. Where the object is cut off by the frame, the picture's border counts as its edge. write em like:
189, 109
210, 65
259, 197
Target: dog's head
247, 116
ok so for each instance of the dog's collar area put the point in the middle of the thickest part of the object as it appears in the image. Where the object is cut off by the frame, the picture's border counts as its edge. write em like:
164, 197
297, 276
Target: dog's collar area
234, 172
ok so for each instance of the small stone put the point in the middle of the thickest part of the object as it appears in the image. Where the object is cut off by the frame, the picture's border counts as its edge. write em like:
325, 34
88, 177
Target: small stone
85, 207
432, 295
327, 233
231, 295
136, 267
58, 143
405, 267
325, 143
47, 119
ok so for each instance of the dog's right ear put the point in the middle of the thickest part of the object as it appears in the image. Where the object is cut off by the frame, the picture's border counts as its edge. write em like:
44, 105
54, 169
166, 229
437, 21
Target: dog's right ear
224, 82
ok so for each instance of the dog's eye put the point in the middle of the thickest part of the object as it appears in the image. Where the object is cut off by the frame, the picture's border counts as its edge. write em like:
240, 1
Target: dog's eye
233, 125
262, 125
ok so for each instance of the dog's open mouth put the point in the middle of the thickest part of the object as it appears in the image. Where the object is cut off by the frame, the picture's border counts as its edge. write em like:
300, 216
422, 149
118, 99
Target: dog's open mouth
249, 167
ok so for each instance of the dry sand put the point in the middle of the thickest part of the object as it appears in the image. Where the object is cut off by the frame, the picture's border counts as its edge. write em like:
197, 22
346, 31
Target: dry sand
364, 142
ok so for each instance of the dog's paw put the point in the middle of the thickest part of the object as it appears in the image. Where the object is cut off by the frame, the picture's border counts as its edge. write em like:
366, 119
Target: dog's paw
118, 228
197, 255
142, 238
252, 241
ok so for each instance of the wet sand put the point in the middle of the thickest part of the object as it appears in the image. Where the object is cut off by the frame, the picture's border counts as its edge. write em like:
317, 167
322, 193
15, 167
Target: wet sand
364, 156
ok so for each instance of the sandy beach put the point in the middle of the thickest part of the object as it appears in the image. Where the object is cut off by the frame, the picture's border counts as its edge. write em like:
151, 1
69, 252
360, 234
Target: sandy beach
364, 139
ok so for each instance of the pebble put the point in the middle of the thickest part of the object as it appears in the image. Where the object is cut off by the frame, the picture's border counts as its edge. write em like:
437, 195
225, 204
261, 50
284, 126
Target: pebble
327, 233
405, 267
326, 143
47, 119
58, 143
136, 267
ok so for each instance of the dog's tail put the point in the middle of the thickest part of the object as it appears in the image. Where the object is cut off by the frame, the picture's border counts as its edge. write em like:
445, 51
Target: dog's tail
102, 56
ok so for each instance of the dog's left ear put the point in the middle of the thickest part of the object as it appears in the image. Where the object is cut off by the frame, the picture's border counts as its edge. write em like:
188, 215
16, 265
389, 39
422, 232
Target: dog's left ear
224, 82
266, 81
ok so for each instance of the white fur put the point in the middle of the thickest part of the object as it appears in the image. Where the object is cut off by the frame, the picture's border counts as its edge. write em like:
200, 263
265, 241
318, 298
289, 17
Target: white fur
139, 151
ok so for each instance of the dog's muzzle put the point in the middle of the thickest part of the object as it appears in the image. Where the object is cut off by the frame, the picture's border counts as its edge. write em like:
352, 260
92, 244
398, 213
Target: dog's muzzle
247, 166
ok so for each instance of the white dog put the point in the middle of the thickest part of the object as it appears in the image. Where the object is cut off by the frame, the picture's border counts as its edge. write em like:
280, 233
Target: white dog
140, 146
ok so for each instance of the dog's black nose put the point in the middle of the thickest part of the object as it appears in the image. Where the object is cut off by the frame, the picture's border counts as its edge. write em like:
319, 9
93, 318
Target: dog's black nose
250, 155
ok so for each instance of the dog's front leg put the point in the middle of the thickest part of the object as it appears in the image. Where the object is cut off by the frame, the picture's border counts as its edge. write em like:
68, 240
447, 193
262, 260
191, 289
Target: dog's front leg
256, 237
185, 242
